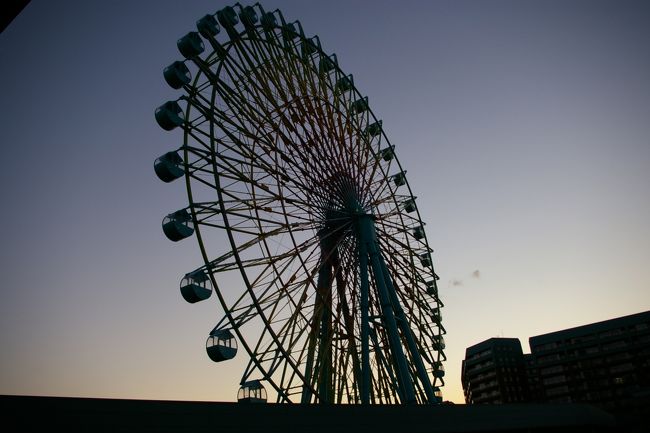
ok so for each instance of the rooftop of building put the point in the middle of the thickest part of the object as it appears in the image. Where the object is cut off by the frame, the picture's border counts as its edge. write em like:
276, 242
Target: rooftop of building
491, 343
592, 328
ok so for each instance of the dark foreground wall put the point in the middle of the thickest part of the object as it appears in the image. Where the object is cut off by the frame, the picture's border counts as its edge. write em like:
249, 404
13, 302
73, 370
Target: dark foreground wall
31, 414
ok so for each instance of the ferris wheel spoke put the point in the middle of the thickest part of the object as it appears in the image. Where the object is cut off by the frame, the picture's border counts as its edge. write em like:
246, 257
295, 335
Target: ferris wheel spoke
261, 94
203, 103
315, 111
202, 175
269, 353
305, 151
200, 157
305, 246
396, 203
248, 98
265, 80
272, 57
278, 210
343, 143
207, 213
266, 281
228, 260
328, 148
239, 76
306, 143
403, 248
234, 99
272, 291
378, 176
381, 186
206, 117
358, 156
289, 141
261, 202
256, 84
296, 299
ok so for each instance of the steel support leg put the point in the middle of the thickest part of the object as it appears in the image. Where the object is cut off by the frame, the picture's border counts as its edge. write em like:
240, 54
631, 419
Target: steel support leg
365, 326
367, 235
408, 334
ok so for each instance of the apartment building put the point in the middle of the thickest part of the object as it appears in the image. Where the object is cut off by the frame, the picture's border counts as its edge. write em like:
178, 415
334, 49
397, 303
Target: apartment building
494, 371
606, 364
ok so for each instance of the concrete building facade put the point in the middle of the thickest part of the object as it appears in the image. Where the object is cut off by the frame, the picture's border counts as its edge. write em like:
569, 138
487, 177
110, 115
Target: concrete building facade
494, 371
606, 364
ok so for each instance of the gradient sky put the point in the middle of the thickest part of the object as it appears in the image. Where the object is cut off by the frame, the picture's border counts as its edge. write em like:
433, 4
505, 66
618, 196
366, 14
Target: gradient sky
524, 127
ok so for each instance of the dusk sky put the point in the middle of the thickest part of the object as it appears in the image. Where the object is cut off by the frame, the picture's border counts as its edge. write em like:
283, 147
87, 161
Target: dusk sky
524, 127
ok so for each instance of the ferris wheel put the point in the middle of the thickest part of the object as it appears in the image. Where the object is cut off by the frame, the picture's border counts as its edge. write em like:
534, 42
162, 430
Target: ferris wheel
296, 194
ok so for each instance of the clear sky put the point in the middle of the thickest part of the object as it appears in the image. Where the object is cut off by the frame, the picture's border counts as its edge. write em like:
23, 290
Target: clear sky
524, 127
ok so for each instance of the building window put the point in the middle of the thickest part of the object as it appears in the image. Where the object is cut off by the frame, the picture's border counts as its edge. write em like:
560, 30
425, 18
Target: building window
564, 399
643, 339
622, 368
547, 346
551, 357
480, 354
619, 357
614, 345
552, 370
610, 333
557, 390
555, 379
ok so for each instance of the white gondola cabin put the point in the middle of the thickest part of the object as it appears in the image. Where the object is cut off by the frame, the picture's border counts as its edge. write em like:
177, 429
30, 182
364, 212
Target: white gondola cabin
169, 115
388, 153
221, 345
268, 21
178, 225
196, 286
327, 63
432, 287
418, 232
438, 394
374, 129
208, 26
345, 83
252, 392
289, 32
177, 75
438, 342
399, 178
310, 46
169, 167
360, 105
439, 370
409, 205
190, 45
248, 17
436, 316
227, 17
